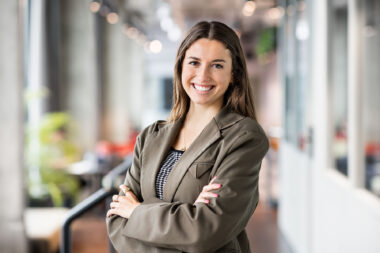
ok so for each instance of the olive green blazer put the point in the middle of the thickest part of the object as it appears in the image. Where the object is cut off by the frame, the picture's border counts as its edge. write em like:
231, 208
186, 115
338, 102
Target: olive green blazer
230, 147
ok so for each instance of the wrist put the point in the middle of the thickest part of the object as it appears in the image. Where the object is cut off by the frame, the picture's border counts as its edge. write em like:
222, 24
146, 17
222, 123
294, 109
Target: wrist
136, 205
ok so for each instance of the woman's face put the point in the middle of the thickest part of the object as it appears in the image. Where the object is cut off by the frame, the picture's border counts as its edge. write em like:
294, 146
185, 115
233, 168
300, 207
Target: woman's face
206, 72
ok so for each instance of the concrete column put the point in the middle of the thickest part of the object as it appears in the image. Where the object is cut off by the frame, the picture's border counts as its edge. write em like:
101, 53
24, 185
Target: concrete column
125, 84
12, 199
79, 70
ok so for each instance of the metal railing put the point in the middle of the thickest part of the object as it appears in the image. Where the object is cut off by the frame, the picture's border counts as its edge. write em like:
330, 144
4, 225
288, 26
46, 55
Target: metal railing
109, 187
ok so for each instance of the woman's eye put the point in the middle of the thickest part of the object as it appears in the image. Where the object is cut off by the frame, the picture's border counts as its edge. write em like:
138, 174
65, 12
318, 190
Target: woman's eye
218, 66
193, 63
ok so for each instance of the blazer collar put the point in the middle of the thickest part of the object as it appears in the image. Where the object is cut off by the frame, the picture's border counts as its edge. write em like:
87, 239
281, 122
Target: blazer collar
164, 138
225, 118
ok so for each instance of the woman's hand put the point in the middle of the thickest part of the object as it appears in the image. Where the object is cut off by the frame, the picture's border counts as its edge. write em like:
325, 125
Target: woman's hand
206, 194
123, 205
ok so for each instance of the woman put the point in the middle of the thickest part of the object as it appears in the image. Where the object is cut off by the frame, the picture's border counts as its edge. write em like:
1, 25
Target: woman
193, 184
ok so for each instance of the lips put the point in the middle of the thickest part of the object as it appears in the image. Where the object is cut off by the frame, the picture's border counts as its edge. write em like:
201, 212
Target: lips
202, 88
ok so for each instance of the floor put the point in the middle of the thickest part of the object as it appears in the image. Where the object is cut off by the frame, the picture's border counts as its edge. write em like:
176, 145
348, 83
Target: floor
89, 233
263, 233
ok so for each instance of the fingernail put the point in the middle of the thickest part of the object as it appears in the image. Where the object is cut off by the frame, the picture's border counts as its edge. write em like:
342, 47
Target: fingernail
216, 195
207, 201
219, 185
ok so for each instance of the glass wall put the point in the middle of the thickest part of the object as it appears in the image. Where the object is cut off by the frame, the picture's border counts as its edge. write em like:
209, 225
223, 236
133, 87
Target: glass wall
338, 85
295, 62
370, 54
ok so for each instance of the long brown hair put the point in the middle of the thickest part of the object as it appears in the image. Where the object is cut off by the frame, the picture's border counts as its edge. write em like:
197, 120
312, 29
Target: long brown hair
238, 97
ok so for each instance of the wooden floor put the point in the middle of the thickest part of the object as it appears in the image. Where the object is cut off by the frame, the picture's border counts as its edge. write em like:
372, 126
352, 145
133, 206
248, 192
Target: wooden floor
90, 236
263, 233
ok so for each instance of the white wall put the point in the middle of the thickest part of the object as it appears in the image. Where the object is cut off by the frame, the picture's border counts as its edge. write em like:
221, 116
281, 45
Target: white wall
322, 211
345, 219
294, 197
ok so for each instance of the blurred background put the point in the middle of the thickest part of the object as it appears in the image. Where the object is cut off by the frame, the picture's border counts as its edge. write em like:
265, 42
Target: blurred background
79, 79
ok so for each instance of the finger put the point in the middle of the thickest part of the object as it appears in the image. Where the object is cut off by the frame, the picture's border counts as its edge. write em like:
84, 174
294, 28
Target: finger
202, 200
215, 186
115, 198
212, 180
126, 197
121, 187
114, 205
130, 196
111, 212
210, 187
124, 188
208, 195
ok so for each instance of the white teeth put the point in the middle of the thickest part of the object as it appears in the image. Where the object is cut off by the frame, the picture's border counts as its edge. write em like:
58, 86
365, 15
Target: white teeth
202, 88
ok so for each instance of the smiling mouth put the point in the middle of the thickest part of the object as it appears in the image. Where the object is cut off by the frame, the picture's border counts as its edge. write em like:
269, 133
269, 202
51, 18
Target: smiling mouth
202, 87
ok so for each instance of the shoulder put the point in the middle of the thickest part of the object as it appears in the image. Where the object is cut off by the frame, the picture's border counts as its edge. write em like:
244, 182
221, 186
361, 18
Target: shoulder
234, 124
151, 130
154, 129
245, 131
243, 126
249, 126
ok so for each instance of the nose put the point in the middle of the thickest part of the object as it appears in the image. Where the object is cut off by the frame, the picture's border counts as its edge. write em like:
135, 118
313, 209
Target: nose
203, 74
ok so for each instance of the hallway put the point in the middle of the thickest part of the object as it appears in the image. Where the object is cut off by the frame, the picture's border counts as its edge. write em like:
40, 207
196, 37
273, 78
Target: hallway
89, 233
80, 79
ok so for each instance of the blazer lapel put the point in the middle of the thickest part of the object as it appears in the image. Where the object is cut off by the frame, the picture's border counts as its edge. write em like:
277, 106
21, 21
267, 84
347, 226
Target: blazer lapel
162, 139
208, 136
158, 148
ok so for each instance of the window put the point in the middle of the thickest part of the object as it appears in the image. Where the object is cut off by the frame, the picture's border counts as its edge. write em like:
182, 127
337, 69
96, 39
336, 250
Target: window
295, 62
338, 85
370, 54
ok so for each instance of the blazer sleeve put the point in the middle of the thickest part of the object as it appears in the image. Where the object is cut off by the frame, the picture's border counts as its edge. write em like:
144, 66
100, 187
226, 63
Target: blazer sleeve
132, 180
206, 227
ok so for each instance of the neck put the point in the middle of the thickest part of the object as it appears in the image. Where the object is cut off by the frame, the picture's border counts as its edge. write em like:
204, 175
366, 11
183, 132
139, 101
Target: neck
200, 116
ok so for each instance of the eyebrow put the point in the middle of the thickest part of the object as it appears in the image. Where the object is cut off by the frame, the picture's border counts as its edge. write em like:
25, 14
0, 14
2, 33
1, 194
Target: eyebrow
196, 58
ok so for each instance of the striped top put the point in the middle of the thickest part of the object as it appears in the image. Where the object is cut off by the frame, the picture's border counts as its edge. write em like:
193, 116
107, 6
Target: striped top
166, 167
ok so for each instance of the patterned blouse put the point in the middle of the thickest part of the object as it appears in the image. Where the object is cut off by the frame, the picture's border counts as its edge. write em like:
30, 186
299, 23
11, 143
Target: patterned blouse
166, 167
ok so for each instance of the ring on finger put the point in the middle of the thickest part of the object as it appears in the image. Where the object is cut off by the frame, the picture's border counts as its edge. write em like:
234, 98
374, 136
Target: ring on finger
125, 189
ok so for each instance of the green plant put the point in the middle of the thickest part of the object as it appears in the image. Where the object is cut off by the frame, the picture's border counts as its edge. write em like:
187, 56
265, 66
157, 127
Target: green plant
266, 43
49, 151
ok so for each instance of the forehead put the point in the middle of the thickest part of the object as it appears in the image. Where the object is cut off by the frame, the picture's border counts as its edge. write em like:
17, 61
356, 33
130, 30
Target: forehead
208, 49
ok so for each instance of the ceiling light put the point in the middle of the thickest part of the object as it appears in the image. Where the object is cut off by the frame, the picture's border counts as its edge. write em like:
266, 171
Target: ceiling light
249, 8
166, 24
155, 46
302, 29
275, 13
112, 18
174, 34
94, 7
